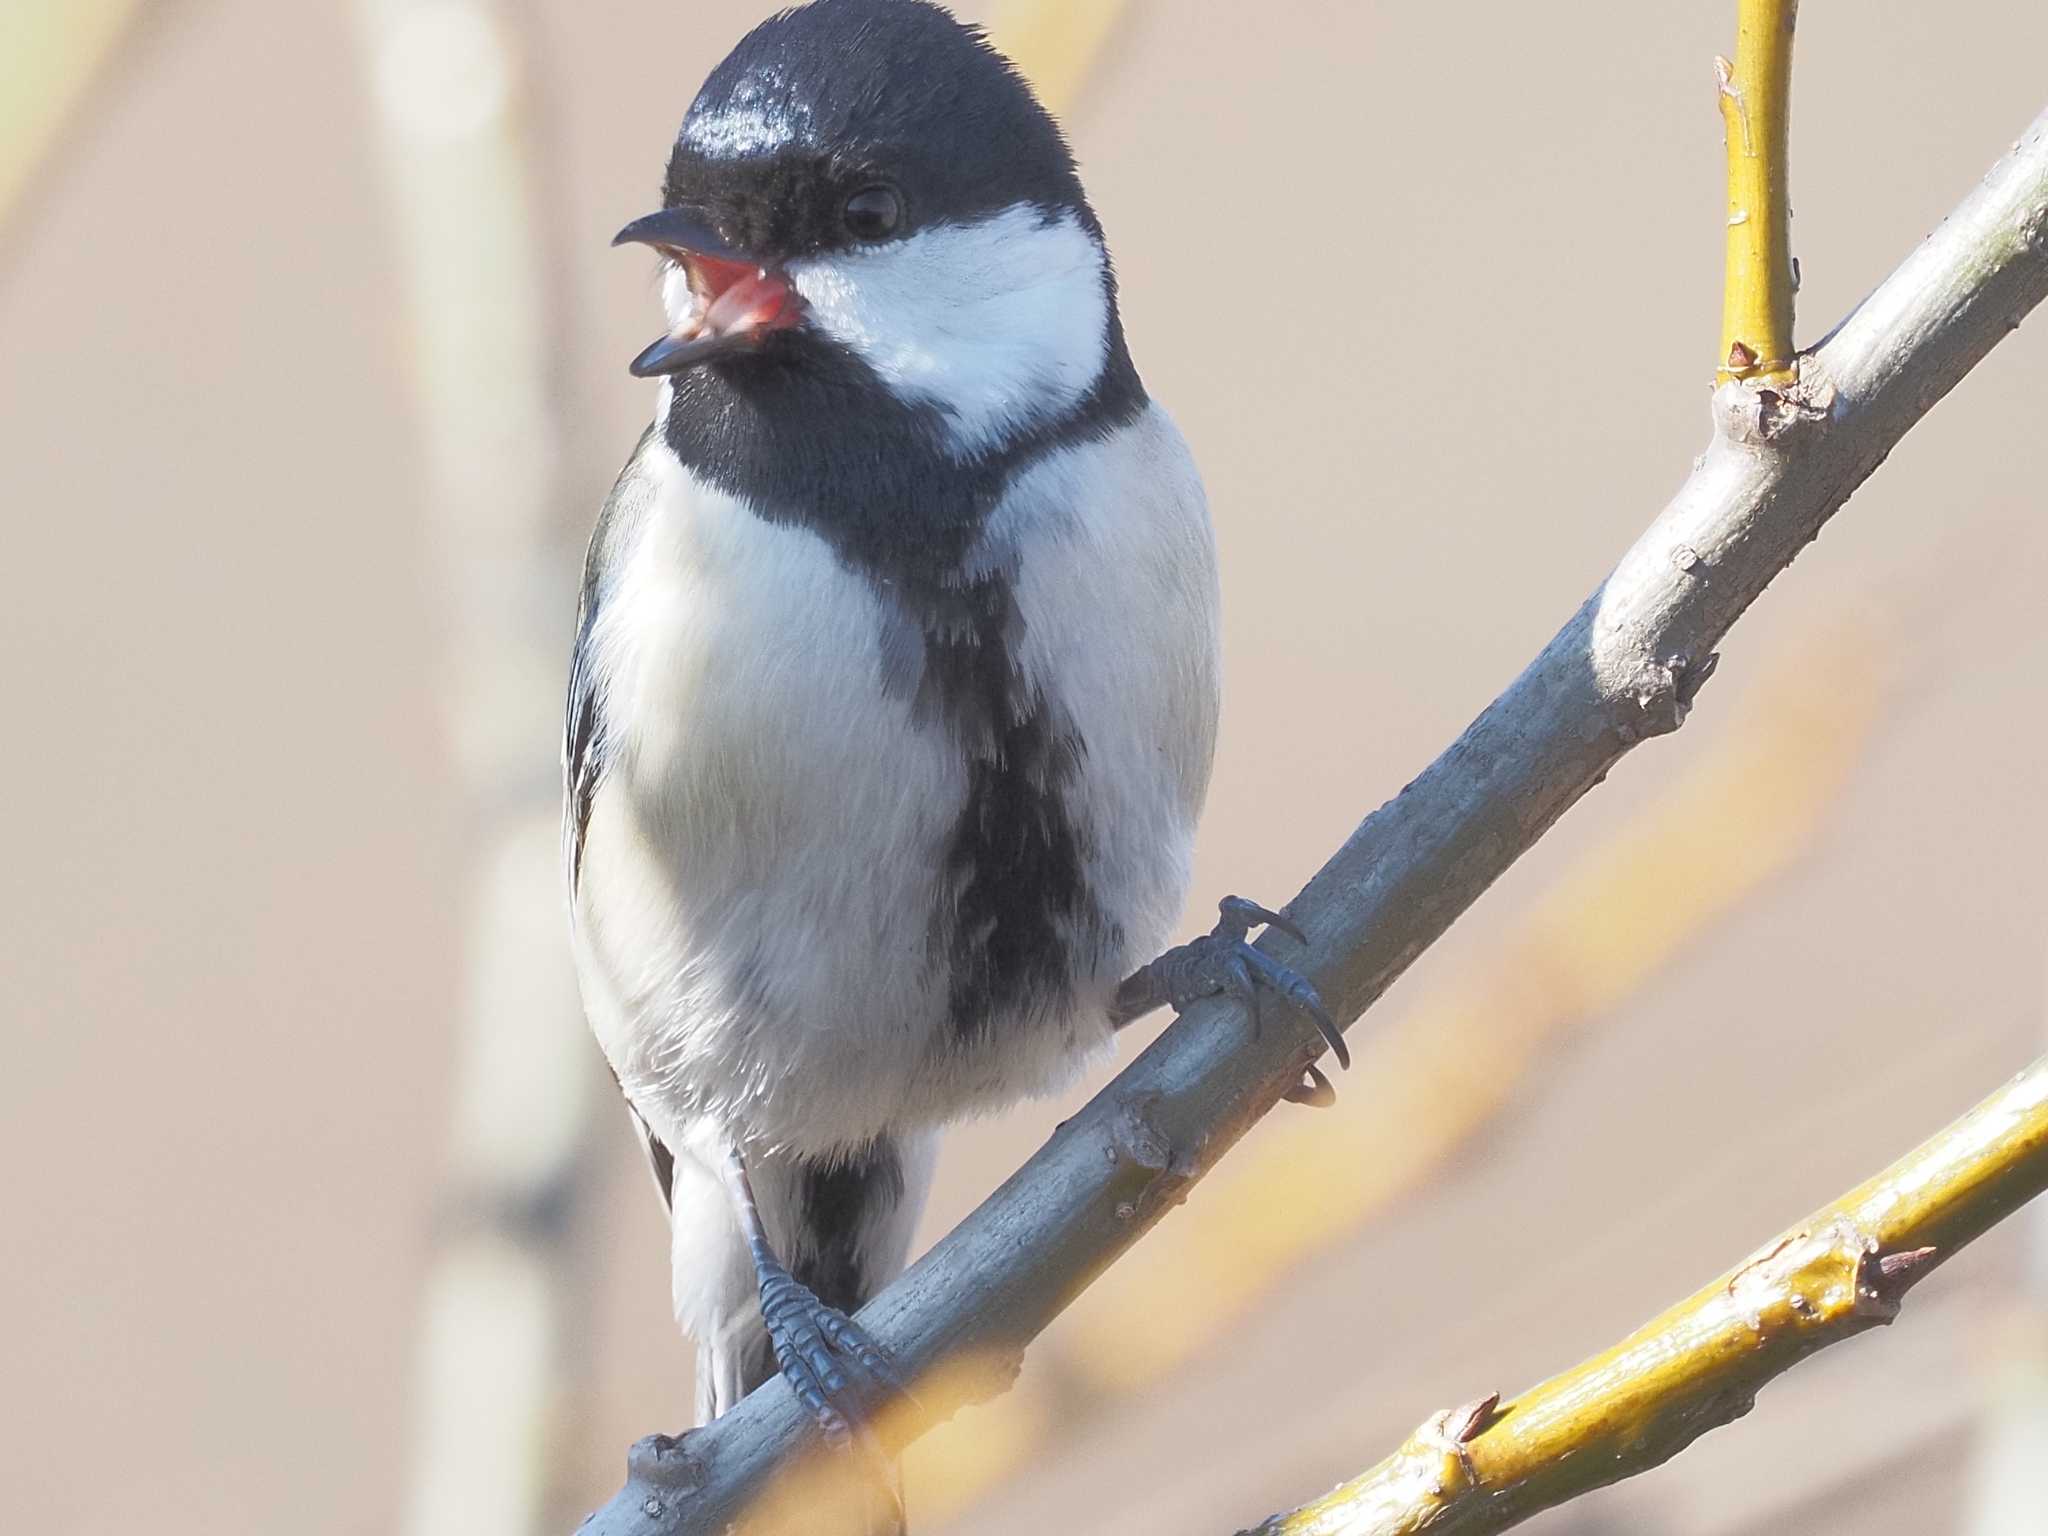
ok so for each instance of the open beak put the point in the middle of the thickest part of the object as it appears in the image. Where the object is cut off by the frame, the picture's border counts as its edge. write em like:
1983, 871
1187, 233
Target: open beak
739, 301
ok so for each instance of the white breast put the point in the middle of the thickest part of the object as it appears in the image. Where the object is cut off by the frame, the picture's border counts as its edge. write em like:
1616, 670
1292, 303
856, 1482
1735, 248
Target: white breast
756, 893
1115, 566
764, 854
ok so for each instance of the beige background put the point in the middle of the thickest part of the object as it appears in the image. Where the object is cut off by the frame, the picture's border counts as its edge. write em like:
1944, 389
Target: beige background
1432, 290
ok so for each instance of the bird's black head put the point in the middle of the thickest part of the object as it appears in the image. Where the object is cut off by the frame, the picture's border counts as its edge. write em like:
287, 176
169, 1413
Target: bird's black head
850, 121
869, 185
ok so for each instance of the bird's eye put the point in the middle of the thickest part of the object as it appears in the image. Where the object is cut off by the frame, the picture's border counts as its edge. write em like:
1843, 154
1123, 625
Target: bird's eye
873, 213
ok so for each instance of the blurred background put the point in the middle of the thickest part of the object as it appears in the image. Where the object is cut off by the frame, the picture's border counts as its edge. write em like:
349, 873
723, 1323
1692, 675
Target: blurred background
320, 1213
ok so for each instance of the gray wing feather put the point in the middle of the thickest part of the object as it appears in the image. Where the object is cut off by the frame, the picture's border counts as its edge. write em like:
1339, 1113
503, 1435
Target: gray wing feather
584, 738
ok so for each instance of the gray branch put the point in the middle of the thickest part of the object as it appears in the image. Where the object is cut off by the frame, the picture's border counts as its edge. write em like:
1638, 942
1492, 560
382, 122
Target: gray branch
1624, 668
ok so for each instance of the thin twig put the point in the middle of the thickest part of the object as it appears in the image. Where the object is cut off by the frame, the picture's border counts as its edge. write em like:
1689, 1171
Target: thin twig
1756, 111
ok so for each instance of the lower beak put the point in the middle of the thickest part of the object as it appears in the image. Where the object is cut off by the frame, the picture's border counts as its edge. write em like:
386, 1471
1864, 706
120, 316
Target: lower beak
740, 302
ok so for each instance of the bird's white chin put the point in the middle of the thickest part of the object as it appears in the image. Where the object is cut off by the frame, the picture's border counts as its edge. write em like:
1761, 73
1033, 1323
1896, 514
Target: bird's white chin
1001, 325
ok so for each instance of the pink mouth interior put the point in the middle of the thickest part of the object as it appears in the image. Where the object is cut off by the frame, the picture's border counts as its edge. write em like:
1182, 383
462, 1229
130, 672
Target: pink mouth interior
743, 300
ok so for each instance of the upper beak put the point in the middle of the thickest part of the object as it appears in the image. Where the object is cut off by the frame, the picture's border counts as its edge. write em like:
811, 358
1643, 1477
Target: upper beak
740, 301
679, 230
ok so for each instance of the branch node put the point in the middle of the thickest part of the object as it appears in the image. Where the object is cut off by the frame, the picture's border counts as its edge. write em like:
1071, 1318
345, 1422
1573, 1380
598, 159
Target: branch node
1138, 1142
665, 1460
1883, 1280
1761, 412
1691, 676
1661, 695
1733, 108
1901, 1267
1443, 1437
1464, 1424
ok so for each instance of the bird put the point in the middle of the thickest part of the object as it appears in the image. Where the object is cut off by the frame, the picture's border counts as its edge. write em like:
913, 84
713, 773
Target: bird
896, 678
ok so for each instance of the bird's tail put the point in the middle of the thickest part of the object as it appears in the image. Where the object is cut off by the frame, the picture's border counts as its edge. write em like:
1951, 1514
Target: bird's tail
842, 1225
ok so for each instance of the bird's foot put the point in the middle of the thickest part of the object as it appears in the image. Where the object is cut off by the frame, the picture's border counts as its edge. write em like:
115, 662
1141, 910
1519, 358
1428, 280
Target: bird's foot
837, 1372
1223, 960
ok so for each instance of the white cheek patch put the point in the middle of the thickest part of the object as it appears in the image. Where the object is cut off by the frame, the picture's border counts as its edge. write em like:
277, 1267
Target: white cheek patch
1001, 324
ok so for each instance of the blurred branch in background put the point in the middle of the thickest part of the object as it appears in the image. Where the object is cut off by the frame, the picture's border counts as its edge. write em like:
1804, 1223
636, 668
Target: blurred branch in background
1056, 43
1428, 1085
1491, 1465
1624, 668
50, 52
444, 82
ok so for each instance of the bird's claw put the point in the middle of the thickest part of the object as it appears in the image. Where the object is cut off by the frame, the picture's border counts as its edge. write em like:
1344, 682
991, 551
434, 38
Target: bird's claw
1241, 916
837, 1372
1224, 960
1297, 989
1314, 1090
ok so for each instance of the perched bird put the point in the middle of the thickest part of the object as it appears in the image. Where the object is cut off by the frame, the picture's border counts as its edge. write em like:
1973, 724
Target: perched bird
895, 686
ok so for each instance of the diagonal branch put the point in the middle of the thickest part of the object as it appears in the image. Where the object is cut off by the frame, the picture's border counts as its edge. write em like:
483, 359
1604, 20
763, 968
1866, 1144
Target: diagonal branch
1624, 668
1844, 1269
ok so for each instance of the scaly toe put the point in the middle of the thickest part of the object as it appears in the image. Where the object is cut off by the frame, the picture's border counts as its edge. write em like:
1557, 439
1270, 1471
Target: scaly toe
836, 1371
1298, 990
847, 1337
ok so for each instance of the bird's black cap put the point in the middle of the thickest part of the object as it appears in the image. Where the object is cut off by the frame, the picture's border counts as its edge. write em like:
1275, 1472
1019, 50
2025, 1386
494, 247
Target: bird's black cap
822, 100
856, 125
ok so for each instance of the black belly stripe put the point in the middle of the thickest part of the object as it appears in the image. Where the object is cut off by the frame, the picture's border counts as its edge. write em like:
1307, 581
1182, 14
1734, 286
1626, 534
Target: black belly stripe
1014, 896
804, 433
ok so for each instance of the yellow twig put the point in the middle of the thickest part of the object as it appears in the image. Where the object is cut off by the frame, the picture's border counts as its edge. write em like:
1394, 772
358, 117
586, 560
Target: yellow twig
1489, 1465
1756, 110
